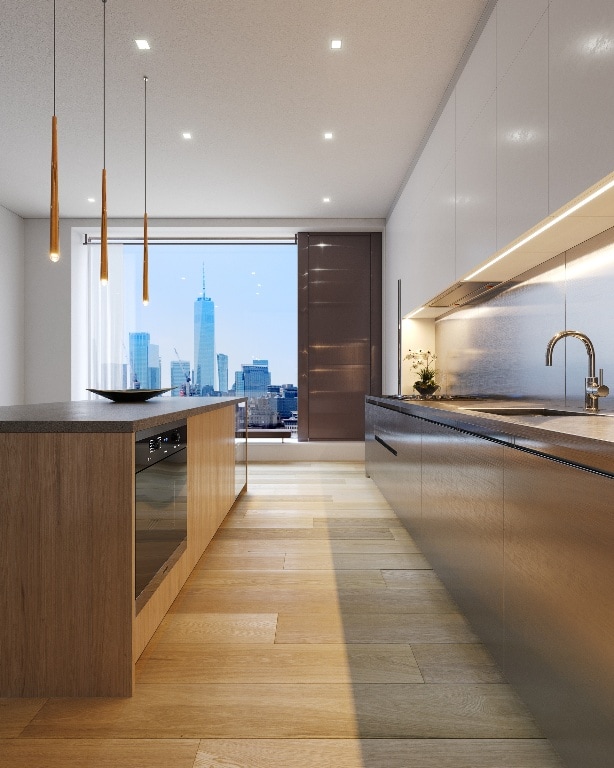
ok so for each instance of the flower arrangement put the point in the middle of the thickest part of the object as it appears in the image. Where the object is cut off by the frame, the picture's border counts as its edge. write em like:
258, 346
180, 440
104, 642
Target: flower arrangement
423, 364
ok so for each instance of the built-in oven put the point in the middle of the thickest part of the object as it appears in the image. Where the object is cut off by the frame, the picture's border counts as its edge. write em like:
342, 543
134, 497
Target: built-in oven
160, 505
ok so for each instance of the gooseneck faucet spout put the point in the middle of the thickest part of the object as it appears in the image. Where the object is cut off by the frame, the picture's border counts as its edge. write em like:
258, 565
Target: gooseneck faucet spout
594, 388
590, 349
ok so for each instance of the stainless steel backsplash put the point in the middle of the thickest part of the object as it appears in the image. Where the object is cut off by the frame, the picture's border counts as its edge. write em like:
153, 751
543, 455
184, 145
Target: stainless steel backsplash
498, 347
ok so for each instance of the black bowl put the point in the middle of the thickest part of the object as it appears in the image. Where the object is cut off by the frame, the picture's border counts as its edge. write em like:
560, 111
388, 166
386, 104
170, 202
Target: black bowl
130, 395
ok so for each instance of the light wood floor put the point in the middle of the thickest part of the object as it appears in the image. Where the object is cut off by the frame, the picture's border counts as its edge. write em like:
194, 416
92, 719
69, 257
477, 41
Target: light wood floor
312, 634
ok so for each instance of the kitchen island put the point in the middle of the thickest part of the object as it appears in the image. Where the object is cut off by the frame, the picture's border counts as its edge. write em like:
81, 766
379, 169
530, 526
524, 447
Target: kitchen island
514, 513
70, 623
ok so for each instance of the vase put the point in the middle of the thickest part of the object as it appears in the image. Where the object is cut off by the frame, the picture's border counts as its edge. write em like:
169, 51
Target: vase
426, 390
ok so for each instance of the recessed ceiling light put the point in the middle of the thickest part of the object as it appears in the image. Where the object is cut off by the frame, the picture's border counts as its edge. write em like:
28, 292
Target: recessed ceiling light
326, 199
142, 45
328, 135
91, 199
186, 135
335, 44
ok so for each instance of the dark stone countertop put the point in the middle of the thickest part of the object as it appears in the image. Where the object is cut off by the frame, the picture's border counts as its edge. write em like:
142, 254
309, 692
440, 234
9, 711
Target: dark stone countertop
104, 415
583, 440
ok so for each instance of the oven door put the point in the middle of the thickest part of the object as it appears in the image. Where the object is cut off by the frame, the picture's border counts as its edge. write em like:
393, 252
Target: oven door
160, 519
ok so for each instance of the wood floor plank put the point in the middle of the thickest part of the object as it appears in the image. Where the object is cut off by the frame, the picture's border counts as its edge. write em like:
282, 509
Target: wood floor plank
355, 521
291, 711
283, 578
310, 600
303, 546
322, 534
15, 714
218, 628
374, 628
267, 520
375, 753
360, 503
242, 599
390, 601
456, 663
378, 515
98, 753
204, 711
182, 663
411, 579
342, 562
242, 562
437, 711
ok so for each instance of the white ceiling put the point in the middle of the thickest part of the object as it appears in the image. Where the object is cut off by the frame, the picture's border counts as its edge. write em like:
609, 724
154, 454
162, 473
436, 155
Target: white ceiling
254, 81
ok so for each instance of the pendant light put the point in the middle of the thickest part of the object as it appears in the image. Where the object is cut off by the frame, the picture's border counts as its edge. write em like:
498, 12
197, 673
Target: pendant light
104, 258
145, 244
54, 209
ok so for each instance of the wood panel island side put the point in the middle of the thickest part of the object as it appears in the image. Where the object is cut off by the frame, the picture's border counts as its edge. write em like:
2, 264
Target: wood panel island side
70, 624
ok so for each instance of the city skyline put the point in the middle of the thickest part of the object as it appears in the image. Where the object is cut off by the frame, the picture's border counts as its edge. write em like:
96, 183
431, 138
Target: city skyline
253, 293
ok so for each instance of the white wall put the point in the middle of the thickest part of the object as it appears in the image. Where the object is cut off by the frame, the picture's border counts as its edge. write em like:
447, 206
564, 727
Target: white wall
11, 308
526, 128
47, 315
56, 326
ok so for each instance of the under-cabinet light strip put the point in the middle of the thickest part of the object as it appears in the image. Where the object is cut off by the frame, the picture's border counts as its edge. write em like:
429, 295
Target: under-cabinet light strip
543, 228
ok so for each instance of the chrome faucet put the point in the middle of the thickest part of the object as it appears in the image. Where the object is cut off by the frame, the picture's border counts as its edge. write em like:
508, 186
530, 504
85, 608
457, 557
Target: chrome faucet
594, 388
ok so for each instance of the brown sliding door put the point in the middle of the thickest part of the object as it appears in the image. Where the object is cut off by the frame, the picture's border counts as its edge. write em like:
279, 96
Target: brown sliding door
339, 332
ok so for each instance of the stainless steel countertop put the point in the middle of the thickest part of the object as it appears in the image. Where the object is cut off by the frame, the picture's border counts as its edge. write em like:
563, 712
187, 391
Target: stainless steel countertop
105, 416
585, 440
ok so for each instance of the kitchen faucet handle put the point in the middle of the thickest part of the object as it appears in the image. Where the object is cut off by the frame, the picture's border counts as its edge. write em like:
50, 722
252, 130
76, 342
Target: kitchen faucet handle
602, 389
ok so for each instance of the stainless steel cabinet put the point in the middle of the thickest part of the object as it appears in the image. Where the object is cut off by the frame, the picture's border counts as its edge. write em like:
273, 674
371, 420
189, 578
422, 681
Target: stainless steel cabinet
525, 545
559, 610
462, 524
393, 460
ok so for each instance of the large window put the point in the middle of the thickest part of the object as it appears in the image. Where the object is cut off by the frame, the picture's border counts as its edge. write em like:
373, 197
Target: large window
222, 318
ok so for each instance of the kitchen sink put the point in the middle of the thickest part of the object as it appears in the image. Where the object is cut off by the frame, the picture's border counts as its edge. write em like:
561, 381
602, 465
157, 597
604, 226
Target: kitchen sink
519, 411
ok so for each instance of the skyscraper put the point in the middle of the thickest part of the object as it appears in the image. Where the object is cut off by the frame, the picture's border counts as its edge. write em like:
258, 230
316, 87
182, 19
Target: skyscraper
154, 367
253, 380
204, 343
222, 373
180, 374
145, 366
139, 360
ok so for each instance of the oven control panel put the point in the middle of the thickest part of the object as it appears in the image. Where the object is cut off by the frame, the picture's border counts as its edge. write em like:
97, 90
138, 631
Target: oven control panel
152, 446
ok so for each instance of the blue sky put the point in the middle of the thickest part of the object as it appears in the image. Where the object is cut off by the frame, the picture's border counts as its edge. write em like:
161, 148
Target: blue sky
254, 288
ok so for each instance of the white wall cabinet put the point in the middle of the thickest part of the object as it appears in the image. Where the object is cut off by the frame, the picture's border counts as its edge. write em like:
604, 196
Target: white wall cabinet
522, 137
476, 192
421, 244
516, 20
581, 96
433, 252
533, 112
478, 81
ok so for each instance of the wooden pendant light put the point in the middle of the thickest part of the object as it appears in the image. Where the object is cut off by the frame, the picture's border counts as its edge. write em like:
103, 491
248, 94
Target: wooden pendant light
104, 257
145, 243
54, 209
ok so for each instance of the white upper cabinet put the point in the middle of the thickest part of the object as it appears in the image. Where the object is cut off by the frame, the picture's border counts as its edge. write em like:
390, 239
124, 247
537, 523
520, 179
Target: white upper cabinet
516, 20
476, 153
478, 80
420, 231
529, 127
433, 246
581, 96
476, 192
435, 157
522, 131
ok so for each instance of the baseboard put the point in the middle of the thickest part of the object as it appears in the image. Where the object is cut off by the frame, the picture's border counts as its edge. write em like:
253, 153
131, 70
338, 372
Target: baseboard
291, 450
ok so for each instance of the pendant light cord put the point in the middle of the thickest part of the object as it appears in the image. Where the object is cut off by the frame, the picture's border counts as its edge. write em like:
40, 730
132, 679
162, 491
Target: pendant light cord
104, 83
54, 57
145, 141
